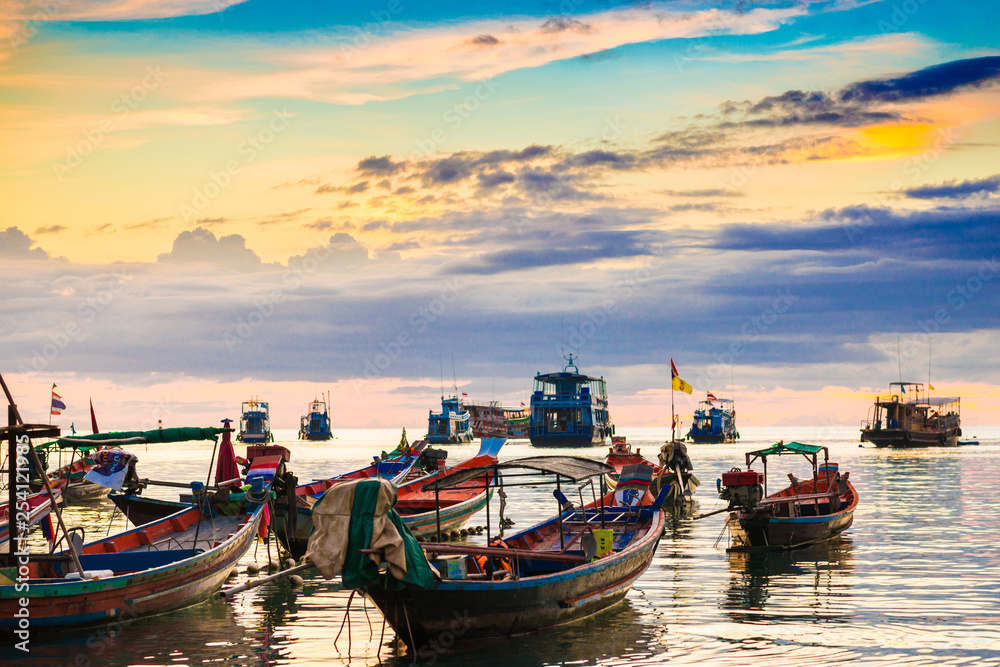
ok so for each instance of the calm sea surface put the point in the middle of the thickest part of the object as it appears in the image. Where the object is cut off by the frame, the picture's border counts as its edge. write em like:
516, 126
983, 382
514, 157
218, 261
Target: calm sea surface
915, 580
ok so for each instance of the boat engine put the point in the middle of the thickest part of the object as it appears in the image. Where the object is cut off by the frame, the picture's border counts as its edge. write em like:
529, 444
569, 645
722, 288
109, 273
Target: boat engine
741, 488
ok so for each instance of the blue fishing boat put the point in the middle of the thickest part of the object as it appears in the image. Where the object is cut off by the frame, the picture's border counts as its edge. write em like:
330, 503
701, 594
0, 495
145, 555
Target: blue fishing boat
450, 426
255, 424
316, 424
569, 409
714, 421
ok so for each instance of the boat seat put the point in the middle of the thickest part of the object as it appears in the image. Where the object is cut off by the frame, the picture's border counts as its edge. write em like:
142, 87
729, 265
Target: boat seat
144, 537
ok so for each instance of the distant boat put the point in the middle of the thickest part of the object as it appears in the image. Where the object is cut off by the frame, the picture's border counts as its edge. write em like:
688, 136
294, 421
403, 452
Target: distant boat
316, 424
714, 421
450, 426
569, 409
493, 420
255, 424
806, 512
907, 417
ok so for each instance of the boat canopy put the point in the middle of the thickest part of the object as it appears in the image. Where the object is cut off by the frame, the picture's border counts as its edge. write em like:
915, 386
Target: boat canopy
575, 468
789, 447
159, 435
938, 401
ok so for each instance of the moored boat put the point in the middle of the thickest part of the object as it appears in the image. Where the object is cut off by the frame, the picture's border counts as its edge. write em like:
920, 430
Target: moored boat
493, 420
39, 505
294, 528
450, 426
579, 562
569, 409
316, 425
805, 512
714, 421
908, 417
673, 471
255, 423
165, 565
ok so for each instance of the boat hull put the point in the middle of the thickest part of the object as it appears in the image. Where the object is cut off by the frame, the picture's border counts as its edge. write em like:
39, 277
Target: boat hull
778, 532
759, 529
903, 438
710, 439
551, 440
464, 611
179, 584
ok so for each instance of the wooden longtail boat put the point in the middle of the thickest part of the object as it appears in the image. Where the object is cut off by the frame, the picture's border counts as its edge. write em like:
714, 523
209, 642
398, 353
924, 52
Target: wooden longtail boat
39, 506
294, 534
165, 565
415, 506
575, 564
673, 461
806, 512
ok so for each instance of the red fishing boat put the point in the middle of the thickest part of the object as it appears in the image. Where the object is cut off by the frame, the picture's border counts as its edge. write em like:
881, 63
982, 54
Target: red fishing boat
674, 465
168, 564
807, 511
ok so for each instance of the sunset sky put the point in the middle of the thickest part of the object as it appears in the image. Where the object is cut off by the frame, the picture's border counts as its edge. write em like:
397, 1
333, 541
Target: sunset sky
205, 200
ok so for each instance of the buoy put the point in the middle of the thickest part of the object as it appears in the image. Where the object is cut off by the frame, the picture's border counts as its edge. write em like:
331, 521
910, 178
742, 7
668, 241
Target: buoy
252, 569
289, 562
295, 580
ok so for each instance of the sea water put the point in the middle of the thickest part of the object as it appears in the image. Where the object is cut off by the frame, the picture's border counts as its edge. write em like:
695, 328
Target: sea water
915, 580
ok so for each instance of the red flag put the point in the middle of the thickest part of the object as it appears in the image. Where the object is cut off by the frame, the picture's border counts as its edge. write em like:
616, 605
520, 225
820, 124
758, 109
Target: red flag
93, 417
711, 396
673, 369
226, 468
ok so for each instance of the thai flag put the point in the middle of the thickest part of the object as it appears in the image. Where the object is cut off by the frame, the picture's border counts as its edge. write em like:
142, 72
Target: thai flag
711, 396
522, 404
464, 395
57, 405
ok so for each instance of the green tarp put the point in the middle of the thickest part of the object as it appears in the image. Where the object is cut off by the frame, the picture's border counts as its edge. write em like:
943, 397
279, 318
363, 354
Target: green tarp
359, 569
787, 448
161, 435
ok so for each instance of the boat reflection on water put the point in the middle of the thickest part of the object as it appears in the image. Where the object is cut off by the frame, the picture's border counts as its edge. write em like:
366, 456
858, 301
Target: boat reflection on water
790, 585
621, 634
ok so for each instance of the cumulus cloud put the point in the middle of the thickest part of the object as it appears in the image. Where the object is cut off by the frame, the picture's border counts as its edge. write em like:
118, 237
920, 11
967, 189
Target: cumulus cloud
341, 251
380, 166
955, 189
15, 244
201, 245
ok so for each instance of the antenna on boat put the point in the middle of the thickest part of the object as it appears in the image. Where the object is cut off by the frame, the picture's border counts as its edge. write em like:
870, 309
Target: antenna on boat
442, 378
928, 362
454, 377
899, 362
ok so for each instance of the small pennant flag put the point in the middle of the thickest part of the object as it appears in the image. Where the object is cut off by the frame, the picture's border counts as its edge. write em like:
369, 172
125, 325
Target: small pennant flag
522, 404
464, 395
678, 383
711, 396
930, 386
57, 405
